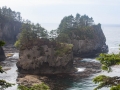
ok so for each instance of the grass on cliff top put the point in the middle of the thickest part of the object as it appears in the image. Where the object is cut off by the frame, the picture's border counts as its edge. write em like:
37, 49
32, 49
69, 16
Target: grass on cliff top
63, 49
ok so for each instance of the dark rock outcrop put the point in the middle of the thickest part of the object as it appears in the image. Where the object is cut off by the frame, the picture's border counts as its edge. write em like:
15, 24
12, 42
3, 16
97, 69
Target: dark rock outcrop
45, 57
9, 31
2, 54
91, 45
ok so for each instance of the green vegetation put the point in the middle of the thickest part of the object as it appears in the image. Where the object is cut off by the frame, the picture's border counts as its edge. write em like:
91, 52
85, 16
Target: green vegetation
63, 49
2, 43
62, 38
30, 32
4, 84
53, 34
15, 24
41, 86
10, 21
108, 60
70, 22
6, 14
17, 44
81, 26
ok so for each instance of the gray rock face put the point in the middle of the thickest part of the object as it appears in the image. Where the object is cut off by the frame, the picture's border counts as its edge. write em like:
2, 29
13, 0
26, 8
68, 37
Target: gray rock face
88, 47
2, 54
9, 31
43, 60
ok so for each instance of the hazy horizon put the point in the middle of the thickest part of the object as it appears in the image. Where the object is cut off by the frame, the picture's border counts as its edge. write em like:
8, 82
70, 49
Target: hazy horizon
52, 26
50, 13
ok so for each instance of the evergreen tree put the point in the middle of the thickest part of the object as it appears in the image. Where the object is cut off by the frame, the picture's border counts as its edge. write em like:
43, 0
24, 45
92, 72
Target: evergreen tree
78, 25
108, 60
30, 32
53, 34
8, 15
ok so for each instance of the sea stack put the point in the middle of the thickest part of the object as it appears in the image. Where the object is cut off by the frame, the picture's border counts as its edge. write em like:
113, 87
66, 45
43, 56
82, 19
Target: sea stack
45, 57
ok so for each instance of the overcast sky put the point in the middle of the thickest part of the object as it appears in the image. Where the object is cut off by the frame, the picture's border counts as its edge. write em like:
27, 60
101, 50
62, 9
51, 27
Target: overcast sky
50, 12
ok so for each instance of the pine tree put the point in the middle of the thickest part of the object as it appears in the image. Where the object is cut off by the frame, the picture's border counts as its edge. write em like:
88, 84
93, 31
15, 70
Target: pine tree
108, 60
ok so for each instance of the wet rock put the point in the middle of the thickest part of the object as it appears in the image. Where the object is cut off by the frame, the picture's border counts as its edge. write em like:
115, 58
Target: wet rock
2, 54
10, 49
9, 55
29, 80
6, 68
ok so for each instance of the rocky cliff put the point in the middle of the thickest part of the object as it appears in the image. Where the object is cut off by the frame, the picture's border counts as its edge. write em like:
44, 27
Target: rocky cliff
90, 43
45, 57
9, 31
87, 38
2, 54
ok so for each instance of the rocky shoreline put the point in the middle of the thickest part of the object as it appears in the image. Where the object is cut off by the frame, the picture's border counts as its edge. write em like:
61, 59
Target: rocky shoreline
58, 81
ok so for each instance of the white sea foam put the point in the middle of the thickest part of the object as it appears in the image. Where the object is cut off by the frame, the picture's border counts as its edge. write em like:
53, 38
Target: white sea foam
15, 56
81, 69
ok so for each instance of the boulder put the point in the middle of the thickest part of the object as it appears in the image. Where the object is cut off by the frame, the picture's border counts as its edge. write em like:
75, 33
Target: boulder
29, 80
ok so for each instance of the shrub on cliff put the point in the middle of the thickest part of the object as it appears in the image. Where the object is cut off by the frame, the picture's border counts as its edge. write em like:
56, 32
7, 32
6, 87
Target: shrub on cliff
2, 43
63, 48
108, 60
17, 44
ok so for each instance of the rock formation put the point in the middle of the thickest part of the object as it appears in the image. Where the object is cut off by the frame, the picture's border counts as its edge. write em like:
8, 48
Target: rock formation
10, 24
9, 31
45, 57
90, 45
2, 54
87, 38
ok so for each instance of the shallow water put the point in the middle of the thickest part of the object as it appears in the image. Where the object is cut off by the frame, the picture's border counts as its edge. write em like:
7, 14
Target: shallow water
10, 75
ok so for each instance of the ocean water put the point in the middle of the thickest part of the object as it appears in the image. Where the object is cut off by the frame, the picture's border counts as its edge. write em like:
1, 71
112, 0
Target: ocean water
112, 35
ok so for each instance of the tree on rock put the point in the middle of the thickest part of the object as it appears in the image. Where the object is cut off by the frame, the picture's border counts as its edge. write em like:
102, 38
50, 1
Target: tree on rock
30, 32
